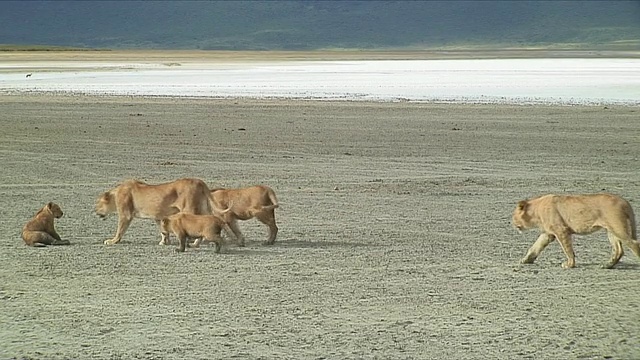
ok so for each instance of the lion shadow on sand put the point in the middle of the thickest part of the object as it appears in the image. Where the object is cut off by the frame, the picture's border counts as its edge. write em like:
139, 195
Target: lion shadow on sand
260, 248
594, 265
296, 243
623, 266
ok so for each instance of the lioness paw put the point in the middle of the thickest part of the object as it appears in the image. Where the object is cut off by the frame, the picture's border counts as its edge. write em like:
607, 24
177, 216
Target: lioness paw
527, 260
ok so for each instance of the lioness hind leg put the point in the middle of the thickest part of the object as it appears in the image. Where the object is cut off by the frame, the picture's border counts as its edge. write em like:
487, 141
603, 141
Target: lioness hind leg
182, 238
567, 247
238, 234
616, 251
165, 235
165, 240
217, 240
537, 247
634, 245
623, 230
268, 218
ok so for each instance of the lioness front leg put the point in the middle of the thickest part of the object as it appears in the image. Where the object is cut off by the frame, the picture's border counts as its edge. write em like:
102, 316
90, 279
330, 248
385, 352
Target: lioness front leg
123, 225
567, 247
537, 247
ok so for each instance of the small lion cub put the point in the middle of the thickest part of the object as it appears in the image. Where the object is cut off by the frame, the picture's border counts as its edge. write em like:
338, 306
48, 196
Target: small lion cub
189, 226
39, 231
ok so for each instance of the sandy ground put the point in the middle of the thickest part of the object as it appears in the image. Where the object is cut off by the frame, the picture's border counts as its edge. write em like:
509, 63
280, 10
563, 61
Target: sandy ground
395, 237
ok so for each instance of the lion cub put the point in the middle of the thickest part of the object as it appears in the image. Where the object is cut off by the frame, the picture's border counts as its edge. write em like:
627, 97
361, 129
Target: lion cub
189, 226
39, 231
560, 216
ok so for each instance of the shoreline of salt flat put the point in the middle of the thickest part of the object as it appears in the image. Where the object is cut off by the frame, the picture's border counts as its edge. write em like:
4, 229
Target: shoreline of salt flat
593, 82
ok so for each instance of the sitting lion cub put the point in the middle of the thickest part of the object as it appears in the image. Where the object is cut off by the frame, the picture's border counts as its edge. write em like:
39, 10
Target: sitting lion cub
189, 226
560, 216
39, 231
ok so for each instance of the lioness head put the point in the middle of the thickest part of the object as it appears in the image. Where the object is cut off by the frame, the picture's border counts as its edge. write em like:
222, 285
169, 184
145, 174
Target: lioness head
55, 210
521, 220
105, 205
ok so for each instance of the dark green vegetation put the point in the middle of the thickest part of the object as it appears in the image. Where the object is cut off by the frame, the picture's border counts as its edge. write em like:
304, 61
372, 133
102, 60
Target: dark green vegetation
12, 47
308, 25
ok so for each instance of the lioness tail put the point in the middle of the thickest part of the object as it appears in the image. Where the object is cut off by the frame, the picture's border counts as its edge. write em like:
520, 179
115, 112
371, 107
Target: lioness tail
273, 198
632, 223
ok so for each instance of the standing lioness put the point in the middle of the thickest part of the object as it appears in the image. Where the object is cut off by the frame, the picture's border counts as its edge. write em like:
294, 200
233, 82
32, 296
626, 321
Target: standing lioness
40, 231
135, 199
560, 216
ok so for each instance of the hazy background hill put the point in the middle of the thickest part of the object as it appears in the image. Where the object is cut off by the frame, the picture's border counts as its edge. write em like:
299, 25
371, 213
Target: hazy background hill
309, 24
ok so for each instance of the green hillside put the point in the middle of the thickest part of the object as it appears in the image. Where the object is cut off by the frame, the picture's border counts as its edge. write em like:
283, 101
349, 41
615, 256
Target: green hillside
308, 24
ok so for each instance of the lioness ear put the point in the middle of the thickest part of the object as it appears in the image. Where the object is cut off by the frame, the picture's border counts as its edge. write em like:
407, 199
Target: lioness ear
522, 205
49, 205
105, 195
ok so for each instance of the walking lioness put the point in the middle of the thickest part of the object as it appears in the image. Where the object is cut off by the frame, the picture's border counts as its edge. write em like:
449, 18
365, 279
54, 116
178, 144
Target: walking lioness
40, 231
258, 201
561, 216
135, 199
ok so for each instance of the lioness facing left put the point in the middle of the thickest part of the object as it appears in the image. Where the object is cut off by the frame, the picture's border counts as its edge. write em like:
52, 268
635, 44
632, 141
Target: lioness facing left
40, 231
561, 216
136, 199
190, 226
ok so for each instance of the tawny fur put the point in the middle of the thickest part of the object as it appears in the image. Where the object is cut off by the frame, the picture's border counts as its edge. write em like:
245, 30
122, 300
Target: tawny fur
190, 226
561, 216
136, 199
257, 201
40, 230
